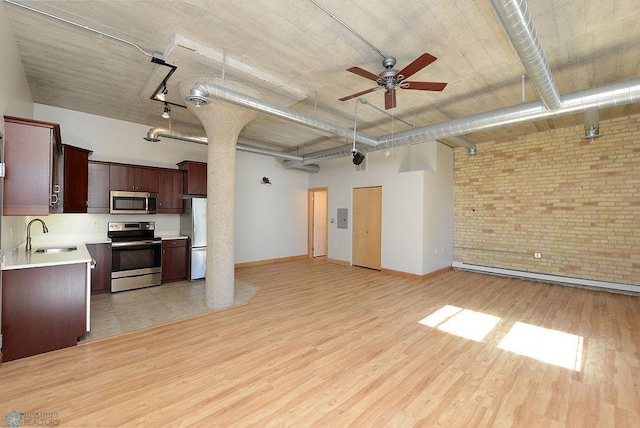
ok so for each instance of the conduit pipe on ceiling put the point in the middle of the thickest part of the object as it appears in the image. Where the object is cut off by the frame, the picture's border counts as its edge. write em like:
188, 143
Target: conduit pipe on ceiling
517, 22
291, 161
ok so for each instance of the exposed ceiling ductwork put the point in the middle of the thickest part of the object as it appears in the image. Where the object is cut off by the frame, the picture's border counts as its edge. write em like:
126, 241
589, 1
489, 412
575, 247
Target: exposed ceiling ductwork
517, 22
290, 161
205, 90
611, 95
518, 25
591, 124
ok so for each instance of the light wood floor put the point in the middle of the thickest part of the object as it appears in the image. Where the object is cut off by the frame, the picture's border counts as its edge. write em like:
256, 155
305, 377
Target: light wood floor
329, 345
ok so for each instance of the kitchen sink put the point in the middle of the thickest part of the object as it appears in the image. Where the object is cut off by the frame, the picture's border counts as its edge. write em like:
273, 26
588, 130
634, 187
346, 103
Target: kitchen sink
56, 249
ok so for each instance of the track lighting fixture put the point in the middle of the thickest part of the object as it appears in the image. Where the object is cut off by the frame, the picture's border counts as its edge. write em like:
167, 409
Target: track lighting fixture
162, 95
167, 111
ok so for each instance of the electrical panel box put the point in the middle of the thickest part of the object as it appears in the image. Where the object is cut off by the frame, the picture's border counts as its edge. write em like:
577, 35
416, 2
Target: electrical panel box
343, 218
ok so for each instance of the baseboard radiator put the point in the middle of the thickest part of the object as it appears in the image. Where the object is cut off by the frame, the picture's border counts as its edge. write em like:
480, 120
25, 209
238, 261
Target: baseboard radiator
556, 279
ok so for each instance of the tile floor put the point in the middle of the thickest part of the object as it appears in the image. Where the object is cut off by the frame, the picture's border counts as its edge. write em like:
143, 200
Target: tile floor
117, 313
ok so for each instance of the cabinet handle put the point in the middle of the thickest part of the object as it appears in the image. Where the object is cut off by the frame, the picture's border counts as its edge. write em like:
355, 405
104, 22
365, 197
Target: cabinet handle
56, 188
54, 199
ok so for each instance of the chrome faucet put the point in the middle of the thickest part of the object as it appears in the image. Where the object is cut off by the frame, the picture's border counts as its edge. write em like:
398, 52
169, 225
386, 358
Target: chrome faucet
27, 247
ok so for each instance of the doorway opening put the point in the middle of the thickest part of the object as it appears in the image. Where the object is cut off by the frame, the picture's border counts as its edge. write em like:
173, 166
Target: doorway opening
318, 224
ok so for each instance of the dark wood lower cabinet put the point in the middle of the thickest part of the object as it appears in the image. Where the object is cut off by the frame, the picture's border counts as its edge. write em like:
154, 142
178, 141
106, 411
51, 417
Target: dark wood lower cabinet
43, 309
101, 273
174, 260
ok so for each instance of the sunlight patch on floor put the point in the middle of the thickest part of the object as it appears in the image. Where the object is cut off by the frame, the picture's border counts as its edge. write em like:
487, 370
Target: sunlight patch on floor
461, 322
543, 344
550, 346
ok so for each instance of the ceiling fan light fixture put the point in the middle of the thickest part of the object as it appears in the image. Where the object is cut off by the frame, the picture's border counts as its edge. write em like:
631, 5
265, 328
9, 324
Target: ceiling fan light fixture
389, 79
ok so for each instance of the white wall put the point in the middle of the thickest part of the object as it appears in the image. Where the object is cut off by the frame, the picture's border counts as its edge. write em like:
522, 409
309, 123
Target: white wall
410, 201
15, 100
438, 212
115, 140
271, 221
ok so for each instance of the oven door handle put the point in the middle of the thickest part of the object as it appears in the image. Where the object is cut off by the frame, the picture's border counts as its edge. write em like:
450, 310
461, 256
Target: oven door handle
134, 243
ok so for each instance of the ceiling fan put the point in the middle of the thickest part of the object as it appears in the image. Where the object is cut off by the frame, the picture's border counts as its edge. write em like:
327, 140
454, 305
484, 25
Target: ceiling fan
389, 79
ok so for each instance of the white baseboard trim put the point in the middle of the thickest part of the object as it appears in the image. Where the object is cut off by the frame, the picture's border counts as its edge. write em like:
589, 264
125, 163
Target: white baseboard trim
557, 279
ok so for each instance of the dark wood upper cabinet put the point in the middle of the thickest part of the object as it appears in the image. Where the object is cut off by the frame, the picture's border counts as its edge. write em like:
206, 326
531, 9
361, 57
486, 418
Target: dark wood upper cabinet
170, 191
133, 178
74, 192
122, 177
195, 180
146, 179
31, 153
98, 187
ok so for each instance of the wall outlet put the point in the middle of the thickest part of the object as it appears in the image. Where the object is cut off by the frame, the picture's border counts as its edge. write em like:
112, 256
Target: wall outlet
537, 255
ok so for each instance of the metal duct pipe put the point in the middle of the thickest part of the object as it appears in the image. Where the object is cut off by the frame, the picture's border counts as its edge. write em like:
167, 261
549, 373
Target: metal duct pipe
591, 124
233, 97
297, 165
267, 152
517, 22
614, 94
463, 142
336, 152
611, 95
294, 160
153, 135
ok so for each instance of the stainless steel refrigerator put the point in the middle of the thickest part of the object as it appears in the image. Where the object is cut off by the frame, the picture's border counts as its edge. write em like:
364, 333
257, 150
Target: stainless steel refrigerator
193, 223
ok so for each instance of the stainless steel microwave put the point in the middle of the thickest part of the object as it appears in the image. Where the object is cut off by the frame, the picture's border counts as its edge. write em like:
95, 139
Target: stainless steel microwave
122, 202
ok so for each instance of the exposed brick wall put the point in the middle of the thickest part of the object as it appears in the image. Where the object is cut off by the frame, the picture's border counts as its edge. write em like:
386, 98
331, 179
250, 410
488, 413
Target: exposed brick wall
576, 202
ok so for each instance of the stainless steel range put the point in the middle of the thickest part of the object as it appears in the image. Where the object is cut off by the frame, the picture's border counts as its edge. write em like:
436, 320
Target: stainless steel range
136, 255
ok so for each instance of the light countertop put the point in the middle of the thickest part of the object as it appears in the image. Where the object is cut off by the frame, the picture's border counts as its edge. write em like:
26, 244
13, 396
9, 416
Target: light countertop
19, 259
167, 237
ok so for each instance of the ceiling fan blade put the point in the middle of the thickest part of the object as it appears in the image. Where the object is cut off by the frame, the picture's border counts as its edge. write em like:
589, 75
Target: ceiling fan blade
348, 97
364, 73
424, 86
418, 64
389, 99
